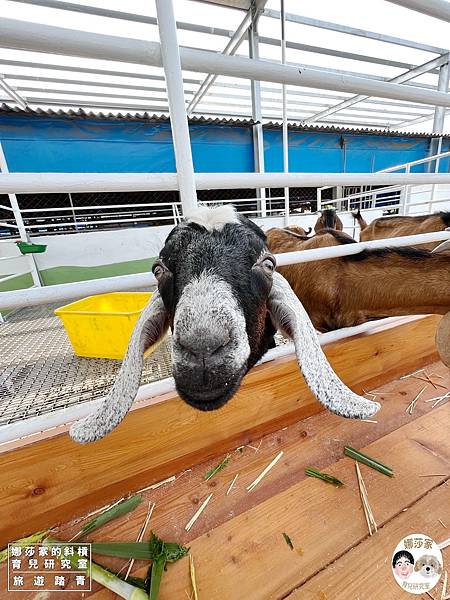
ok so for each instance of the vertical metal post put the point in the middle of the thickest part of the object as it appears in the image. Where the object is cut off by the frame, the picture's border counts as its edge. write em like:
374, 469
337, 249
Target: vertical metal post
285, 126
436, 170
20, 224
404, 196
439, 111
255, 87
319, 199
170, 54
73, 211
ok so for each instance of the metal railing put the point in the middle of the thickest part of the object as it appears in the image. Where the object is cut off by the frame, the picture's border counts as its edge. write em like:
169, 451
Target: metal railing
394, 199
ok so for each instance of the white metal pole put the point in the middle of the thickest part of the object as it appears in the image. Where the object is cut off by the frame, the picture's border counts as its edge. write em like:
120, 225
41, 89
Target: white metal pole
285, 123
319, 198
257, 129
51, 183
439, 114
170, 55
436, 170
20, 224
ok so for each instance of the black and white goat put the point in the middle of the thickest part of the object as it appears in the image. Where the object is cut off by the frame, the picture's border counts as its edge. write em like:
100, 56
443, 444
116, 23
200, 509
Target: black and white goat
220, 294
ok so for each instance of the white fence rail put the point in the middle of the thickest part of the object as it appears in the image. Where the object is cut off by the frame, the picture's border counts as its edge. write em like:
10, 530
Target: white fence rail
397, 198
68, 291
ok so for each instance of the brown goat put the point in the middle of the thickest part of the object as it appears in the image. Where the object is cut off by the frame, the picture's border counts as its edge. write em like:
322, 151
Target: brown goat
370, 285
328, 220
386, 227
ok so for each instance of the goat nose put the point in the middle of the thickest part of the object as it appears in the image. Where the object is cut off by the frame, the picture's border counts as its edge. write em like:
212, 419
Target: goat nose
203, 344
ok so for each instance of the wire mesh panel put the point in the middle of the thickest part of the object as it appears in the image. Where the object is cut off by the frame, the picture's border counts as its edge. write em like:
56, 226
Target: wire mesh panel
40, 373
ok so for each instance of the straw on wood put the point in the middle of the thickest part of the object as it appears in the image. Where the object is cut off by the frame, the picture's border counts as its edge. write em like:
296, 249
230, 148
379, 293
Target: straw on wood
198, 513
365, 501
442, 523
252, 486
232, 484
193, 579
428, 380
413, 373
444, 586
413, 403
141, 535
444, 544
157, 485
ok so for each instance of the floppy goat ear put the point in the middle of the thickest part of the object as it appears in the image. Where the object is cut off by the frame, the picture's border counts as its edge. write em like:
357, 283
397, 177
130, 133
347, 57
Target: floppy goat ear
444, 247
151, 327
289, 315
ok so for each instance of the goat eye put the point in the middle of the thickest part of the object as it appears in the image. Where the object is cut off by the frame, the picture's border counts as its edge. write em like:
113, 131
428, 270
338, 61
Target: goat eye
268, 264
158, 270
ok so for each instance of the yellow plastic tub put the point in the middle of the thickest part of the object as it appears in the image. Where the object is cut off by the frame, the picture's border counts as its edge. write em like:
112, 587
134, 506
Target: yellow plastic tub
101, 326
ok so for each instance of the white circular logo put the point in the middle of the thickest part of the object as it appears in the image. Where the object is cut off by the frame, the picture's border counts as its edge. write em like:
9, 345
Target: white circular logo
417, 563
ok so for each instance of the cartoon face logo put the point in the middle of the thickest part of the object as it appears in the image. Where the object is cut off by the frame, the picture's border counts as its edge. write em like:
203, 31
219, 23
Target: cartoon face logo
403, 564
417, 563
428, 566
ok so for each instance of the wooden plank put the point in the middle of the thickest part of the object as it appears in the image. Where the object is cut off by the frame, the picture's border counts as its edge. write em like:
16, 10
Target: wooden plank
365, 570
315, 441
249, 554
55, 479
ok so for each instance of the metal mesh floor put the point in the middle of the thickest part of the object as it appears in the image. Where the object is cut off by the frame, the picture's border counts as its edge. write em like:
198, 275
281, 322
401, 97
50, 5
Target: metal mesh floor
39, 372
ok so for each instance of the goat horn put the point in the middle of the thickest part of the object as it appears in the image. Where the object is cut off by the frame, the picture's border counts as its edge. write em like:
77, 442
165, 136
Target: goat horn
289, 315
150, 327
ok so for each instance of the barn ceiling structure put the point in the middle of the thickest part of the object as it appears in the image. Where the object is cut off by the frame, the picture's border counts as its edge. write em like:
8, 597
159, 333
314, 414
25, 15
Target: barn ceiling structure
35, 76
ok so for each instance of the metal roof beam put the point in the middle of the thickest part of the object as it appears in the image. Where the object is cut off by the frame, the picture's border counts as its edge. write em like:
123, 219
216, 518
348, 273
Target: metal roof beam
103, 12
312, 106
292, 103
124, 16
12, 93
89, 93
60, 80
339, 53
44, 38
108, 105
88, 70
413, 73
407, 123
371, 35
231, 48
291, 92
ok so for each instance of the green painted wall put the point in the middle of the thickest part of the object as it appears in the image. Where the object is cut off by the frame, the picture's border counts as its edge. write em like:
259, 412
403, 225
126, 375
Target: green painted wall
68, 274
17, 283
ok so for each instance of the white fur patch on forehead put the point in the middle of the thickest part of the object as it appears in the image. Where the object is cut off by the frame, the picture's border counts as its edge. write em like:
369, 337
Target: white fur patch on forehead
213, 218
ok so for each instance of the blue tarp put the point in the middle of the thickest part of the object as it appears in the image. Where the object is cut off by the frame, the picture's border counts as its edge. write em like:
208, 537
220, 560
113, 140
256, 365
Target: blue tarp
58, 144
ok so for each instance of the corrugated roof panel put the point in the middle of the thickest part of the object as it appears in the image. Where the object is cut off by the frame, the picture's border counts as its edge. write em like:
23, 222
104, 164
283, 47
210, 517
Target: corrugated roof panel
145, 116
